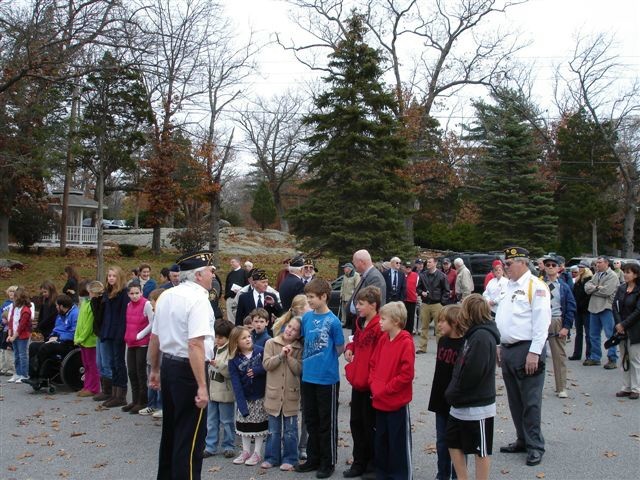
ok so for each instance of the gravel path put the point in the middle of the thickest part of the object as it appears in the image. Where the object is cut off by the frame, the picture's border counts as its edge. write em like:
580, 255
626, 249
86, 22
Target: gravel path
590, 435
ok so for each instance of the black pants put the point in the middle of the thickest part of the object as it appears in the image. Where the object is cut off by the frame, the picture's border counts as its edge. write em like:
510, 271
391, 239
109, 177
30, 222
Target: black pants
362, 423
582, 333
393, 445
39, 352
137, 369
321, 417
184, 425
411, 315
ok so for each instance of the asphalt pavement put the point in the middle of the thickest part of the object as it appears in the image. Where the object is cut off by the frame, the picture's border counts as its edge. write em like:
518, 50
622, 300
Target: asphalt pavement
590, 435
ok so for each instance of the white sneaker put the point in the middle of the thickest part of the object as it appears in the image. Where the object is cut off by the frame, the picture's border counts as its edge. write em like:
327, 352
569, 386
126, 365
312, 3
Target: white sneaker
563, 394
13, 378
22, 379
146, 411
253, 460
240, 459
157, 414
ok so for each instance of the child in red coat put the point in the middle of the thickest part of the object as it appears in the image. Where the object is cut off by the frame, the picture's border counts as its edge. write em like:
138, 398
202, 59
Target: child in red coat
358, 356
391, 381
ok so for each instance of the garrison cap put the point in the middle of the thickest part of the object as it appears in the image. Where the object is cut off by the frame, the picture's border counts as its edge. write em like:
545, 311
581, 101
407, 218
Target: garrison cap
193, 260
297, 261
259, 274
515, 252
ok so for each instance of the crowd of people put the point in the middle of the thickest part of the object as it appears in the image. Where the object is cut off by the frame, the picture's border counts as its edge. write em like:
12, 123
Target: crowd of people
266, 369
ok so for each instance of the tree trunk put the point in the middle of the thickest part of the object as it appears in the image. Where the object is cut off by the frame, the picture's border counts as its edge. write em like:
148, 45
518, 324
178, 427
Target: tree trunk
155, 240
100, 274
214, 233
594, 238
136, 215
630, 213
4, 233
284, 224
68, 171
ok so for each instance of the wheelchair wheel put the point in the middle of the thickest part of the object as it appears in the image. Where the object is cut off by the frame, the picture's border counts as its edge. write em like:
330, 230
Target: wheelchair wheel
72, 370
51, 389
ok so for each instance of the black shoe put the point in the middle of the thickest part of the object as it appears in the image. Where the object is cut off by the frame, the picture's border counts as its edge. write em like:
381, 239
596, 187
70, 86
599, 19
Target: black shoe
575, 357
305, 467
514, 447
534, 457
207, 454
369, 476
325, 472
353, 472
34, 382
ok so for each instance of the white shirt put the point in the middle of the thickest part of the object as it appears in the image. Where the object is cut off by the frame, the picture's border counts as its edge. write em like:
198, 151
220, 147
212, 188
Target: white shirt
184, 312
246, 288
16, 316
519, 319
496, 291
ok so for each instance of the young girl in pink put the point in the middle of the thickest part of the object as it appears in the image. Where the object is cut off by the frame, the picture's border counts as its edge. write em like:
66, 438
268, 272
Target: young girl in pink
86, 338
139, 315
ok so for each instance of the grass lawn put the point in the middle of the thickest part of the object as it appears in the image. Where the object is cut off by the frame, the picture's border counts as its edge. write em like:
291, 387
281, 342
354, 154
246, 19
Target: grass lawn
50, 266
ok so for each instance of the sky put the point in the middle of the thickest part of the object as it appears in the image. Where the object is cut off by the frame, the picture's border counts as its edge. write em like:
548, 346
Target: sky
549, 25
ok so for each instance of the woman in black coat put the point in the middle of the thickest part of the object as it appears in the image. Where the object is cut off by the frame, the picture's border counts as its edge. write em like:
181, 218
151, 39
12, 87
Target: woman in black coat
626, 313
582, 312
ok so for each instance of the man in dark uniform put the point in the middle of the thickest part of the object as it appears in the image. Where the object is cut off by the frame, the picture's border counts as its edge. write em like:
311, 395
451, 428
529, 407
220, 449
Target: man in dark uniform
183, 332
523, 319
236, 279
292, 284
257, 297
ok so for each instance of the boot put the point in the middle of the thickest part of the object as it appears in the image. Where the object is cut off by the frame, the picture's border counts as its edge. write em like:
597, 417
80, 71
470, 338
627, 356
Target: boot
134, 400
119, 398
141, 401
107, 389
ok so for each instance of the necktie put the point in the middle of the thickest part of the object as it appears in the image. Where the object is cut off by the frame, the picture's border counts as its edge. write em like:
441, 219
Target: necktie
395, 279
552, 287
260, 304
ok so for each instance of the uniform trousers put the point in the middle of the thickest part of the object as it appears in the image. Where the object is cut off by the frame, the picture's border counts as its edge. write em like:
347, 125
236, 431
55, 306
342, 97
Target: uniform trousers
184, 425
428, 312
524, 393
393, 445
558, 355
411, 316
362, 423
321, 416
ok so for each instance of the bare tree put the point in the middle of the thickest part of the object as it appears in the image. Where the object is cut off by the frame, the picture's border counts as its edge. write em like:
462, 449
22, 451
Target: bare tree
275, 133
596, 82
169, 41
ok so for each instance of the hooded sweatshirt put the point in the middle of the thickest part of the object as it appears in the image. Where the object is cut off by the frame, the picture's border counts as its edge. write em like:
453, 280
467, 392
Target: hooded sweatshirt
363, 345
473, 383
391, 372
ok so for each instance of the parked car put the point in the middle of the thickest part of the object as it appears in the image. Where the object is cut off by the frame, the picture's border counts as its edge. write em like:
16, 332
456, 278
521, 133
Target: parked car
87, 222
334, 300
118, 225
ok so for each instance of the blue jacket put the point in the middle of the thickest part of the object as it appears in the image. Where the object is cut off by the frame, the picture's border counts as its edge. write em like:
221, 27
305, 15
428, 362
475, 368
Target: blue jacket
260, 340
65, 327
244, 387
568, 304
149, 287
114, 316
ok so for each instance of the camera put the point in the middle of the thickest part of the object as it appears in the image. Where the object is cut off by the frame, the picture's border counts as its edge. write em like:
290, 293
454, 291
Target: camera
615, 339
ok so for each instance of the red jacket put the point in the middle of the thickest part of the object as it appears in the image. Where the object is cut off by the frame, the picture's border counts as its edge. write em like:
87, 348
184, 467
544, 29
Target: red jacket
391, 372
24, 324
412, 282
363, 346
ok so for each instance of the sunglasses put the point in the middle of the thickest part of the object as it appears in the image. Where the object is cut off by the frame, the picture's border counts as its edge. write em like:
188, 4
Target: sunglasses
552, 265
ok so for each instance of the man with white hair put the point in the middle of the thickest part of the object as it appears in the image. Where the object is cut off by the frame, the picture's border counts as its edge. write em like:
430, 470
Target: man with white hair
395, 281
183, 334
292, 284
464, 280
369, 276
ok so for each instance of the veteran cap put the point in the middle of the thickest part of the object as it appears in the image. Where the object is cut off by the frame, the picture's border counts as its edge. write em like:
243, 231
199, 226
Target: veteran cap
297, 261
175, 268
552, 259
193, 260
516, 252
259, 274
308, 262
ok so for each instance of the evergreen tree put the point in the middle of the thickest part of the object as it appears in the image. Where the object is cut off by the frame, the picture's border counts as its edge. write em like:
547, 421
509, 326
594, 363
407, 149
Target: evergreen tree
356, 197
585, 174
264, 208
516, 204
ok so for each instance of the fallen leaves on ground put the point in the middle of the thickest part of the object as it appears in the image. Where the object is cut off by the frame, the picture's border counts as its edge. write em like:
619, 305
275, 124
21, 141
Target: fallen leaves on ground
214, 469
430, 448
77, 434
100, 465
610, 454
540, 475
504, 471
24, 455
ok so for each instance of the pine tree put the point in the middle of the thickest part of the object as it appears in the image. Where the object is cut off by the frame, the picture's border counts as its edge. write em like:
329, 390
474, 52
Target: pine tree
264, 208
516, 204
356, 196
585, 175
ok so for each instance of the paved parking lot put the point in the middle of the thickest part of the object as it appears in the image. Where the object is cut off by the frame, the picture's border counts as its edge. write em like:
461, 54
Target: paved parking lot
590, 435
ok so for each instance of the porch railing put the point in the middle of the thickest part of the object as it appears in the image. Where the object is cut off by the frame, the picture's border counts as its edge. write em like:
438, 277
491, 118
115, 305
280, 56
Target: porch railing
76, 235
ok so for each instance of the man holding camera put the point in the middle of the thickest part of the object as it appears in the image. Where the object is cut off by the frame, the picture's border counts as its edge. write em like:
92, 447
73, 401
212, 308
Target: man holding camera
433, 290
602, 288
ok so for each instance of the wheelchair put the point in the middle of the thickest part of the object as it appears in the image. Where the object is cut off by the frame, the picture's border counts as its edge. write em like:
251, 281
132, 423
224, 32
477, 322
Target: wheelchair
58, 371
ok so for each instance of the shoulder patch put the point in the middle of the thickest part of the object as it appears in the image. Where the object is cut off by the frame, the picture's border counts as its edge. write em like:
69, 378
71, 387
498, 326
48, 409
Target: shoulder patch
541, 293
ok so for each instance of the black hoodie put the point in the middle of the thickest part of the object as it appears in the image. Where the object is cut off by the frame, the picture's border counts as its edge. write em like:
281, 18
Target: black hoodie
473, 383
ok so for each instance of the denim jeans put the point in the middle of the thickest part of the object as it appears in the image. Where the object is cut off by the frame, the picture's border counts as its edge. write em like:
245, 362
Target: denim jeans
21, 358
220, 413
282, 440
597, 322
103, 359
116, 351
445, 467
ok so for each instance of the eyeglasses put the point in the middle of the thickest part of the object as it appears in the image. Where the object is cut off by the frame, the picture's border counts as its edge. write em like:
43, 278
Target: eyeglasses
508, 263
552, 265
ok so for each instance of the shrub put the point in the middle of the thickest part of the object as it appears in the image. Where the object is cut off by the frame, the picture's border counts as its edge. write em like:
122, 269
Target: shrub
189, 239
127, 250
30, 222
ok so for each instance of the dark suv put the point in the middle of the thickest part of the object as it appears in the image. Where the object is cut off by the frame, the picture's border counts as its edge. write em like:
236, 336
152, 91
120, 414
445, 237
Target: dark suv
479, 264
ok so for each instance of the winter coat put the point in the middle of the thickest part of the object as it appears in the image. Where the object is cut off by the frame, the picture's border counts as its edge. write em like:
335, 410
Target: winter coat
363, 345
626, 311
602, 298
24, 324
283, 378
473, 383
84, 335
114, 316
220, 388
245, 387
137, 321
